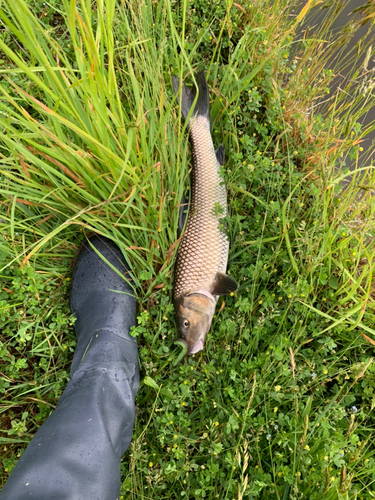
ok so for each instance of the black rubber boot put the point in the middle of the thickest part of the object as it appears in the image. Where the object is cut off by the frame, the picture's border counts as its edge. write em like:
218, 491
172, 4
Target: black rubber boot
76, 453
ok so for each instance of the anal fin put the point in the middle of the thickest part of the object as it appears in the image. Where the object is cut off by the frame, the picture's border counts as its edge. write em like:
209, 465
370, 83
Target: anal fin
220, 155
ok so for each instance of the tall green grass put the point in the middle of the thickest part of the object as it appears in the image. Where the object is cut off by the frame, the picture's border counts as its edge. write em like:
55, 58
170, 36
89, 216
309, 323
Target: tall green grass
92, 144
91, 140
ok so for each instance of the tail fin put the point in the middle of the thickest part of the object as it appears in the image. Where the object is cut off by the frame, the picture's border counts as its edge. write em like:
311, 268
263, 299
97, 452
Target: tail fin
202, 106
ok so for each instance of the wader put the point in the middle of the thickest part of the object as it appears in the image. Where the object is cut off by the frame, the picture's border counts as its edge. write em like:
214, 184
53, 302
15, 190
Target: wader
76, 453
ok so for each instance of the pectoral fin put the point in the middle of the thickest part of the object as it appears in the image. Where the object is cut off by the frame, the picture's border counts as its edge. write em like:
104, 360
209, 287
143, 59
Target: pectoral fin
224, 285
184, 208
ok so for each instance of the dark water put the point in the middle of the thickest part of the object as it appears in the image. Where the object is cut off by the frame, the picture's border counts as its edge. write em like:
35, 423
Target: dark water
313, 20
369, 142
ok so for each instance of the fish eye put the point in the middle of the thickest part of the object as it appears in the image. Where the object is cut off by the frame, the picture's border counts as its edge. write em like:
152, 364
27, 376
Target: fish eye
186, 323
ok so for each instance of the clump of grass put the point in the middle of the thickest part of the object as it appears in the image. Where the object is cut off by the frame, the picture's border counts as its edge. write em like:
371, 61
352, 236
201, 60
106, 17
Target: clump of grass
89, 144
279, 403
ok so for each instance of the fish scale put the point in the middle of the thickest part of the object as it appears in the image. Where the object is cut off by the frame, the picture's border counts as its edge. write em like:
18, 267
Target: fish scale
203, 250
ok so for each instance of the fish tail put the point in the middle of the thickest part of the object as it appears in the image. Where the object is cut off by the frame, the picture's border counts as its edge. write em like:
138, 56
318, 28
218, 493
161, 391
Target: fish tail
202, 105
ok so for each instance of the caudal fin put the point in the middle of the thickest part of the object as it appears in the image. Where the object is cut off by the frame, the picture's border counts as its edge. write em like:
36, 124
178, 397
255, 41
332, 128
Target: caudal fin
202, 106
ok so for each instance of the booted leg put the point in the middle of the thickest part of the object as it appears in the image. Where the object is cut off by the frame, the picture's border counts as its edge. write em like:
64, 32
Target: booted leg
76, 453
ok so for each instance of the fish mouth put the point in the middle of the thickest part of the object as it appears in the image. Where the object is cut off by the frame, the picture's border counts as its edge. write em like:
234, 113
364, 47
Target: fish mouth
198, 346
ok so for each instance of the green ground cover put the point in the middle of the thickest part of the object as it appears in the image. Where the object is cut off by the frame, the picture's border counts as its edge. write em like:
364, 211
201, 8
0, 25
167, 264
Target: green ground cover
280, 403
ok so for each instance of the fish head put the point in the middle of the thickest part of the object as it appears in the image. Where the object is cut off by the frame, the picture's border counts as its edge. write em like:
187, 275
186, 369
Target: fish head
194, 314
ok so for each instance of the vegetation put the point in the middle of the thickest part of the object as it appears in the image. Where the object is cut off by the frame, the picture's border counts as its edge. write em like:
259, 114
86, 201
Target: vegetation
279, 404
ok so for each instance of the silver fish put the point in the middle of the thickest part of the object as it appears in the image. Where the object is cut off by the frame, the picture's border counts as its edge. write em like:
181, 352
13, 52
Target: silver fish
203, 252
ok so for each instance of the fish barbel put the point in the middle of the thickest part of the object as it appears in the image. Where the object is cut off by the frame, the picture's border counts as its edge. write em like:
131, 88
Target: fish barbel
203, 252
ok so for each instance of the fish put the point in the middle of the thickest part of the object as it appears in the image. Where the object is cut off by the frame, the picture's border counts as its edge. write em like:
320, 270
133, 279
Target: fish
202, 256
